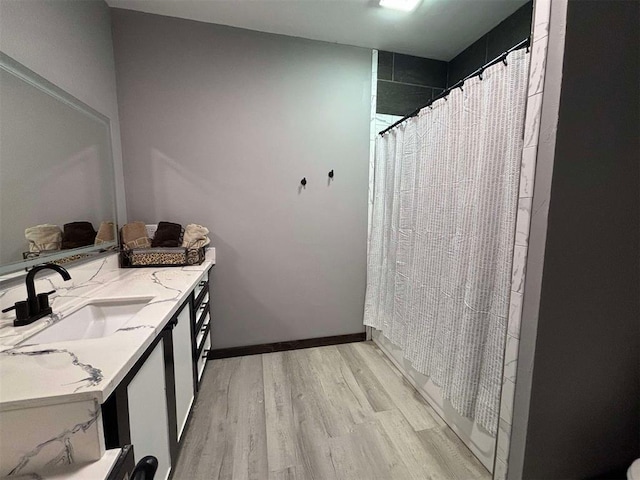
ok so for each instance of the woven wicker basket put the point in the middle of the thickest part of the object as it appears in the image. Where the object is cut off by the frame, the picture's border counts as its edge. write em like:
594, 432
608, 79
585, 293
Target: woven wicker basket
160, 256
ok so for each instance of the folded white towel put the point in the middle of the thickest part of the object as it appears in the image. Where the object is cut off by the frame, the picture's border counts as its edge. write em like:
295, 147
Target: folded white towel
44, 237
195, 236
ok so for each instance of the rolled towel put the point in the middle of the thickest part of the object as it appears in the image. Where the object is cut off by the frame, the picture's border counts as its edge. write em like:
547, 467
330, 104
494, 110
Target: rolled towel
634, 471
167, 235
134, 235
44, 237
78, 234
106, 233
151, 230
195, 236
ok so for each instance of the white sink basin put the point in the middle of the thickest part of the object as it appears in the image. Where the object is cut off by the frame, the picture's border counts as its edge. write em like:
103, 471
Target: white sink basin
97, 319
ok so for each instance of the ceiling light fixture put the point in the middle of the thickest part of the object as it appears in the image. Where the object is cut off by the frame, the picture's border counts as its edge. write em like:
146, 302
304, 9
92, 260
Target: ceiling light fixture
403, 5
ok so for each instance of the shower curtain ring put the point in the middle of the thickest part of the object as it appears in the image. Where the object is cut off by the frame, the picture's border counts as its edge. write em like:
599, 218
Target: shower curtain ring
504, 59
480, 74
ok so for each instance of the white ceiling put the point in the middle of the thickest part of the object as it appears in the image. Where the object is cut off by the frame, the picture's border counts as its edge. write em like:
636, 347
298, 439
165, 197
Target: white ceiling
437, 29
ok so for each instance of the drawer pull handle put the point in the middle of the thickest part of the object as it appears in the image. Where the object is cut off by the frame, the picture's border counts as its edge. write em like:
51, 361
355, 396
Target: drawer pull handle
203, 306
205, 354
172, 324
202, 283
204, 329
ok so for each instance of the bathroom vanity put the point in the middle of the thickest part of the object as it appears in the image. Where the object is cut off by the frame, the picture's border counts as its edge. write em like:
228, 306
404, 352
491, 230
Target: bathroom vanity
120, 359
69, 394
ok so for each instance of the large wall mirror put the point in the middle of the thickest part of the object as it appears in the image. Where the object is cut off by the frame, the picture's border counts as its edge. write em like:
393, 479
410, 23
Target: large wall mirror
56, 173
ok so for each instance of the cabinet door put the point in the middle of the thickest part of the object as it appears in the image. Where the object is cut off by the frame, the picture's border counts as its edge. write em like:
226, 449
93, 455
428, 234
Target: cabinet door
148, 414
183, 365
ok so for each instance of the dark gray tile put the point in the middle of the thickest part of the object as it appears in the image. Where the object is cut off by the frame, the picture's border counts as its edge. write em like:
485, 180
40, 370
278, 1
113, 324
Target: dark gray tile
512, 30
385, 65
401, 99
472, 58
420, 71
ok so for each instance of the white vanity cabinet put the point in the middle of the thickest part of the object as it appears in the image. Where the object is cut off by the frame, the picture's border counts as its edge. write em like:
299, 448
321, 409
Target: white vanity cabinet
148, 412
150, 408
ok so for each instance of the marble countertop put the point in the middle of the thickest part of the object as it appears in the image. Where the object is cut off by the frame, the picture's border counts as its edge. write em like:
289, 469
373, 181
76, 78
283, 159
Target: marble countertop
53, 373
97, 470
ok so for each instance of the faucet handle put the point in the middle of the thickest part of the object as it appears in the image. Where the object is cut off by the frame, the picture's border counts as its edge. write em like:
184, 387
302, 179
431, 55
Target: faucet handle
21, 308
43, 300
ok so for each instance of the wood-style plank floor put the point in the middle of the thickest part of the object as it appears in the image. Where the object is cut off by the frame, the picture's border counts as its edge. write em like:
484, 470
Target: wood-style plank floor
326, 413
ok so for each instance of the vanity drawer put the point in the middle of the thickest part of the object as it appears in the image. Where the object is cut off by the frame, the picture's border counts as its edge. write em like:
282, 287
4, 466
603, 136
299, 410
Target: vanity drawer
203, 335
201, 289
203, 330
201, 313
202, 359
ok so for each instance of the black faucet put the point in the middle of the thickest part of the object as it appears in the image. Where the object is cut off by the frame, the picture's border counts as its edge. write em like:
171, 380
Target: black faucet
36, 306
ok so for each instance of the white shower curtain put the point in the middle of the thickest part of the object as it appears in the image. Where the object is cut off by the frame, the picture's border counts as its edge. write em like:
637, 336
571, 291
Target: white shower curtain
441, 243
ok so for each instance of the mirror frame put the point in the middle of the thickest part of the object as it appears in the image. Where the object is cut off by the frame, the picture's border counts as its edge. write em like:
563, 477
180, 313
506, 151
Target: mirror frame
27, 75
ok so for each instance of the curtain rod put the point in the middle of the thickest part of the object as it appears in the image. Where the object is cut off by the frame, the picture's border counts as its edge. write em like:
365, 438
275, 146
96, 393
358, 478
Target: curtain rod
500, 58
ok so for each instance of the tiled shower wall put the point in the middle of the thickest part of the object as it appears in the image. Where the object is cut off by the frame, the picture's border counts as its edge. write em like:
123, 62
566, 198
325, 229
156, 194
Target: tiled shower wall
527, 172
373, 132
406, 82
511, 31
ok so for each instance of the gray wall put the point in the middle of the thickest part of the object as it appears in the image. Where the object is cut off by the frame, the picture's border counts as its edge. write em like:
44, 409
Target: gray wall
583, 415
68, 43
219, 126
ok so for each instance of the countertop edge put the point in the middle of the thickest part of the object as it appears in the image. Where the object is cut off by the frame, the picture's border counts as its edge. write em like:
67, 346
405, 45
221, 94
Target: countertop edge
101, 392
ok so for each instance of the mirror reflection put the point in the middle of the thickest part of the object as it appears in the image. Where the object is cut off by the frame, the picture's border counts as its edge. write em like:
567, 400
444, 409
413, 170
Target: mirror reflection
57, 194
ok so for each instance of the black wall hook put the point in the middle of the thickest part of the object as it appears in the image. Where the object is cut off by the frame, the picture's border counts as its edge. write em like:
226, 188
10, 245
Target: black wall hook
331, 174
303, 182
